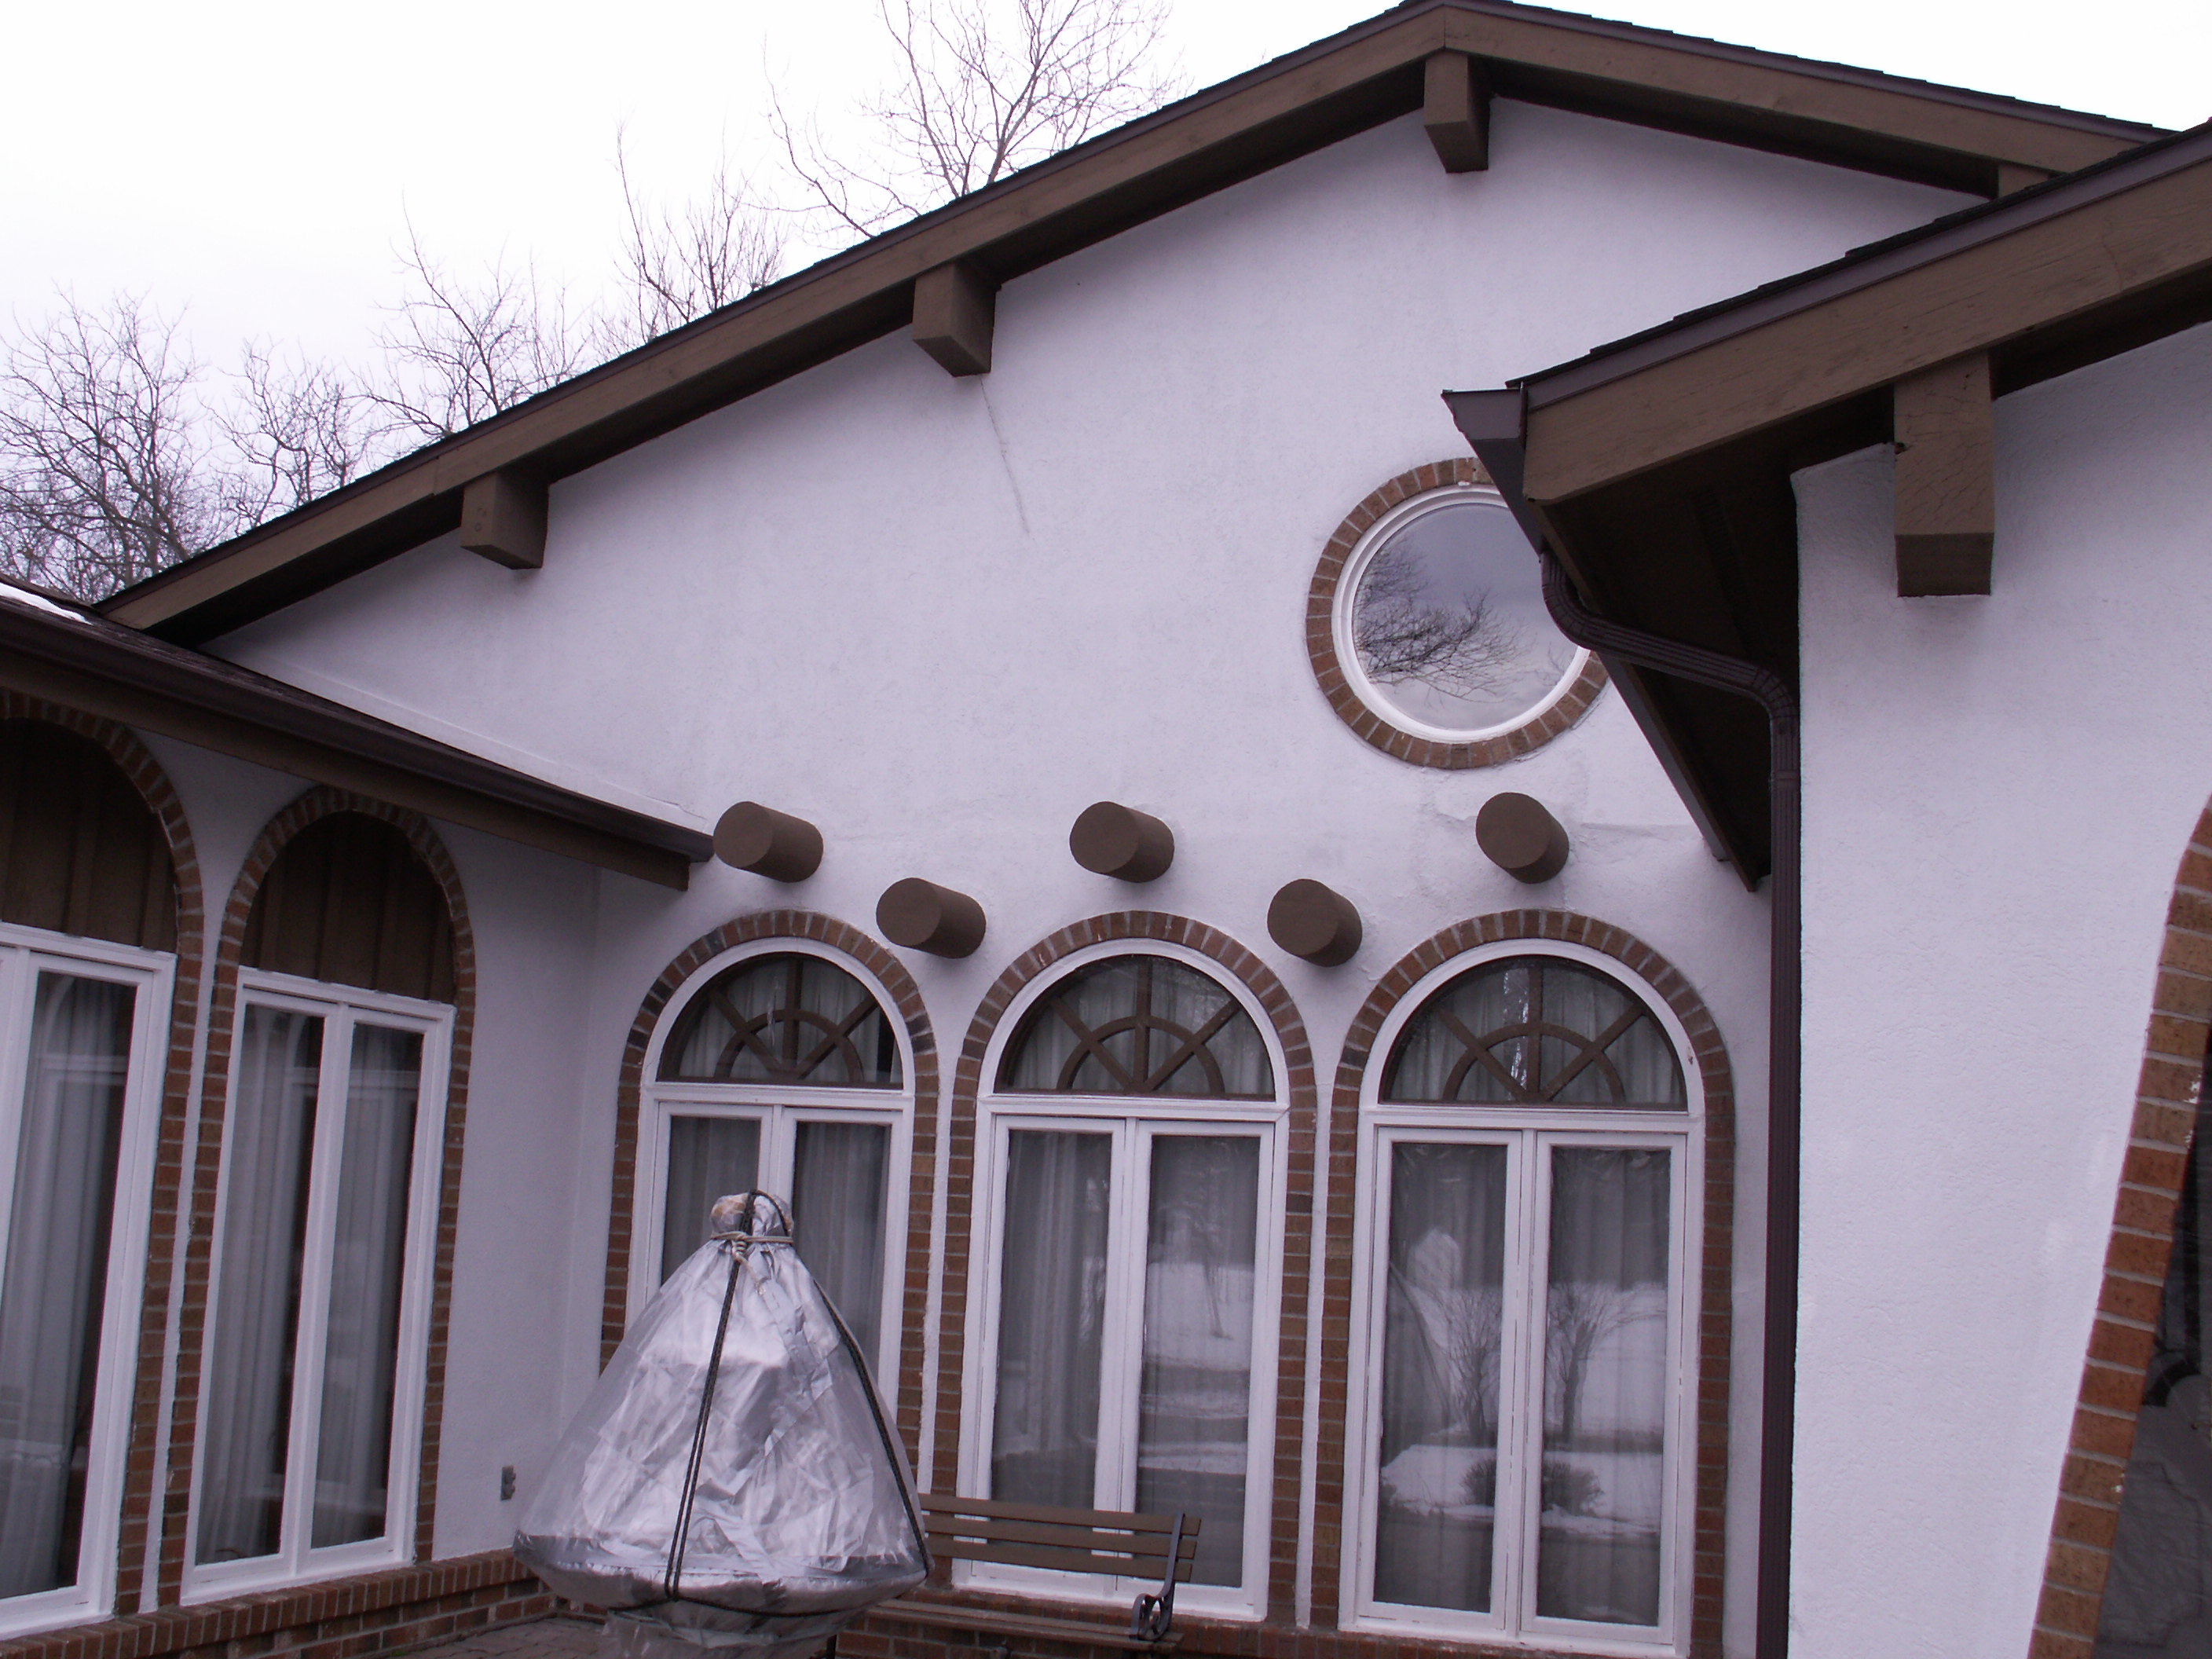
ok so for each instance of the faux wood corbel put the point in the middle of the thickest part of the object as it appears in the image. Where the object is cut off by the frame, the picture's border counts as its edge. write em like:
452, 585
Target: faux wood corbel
1945, 436
954, 307
503, 519
1455, 112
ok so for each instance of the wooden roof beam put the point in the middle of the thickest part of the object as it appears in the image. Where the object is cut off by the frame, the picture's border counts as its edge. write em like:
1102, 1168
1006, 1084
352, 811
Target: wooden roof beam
1946, 438
1455, 111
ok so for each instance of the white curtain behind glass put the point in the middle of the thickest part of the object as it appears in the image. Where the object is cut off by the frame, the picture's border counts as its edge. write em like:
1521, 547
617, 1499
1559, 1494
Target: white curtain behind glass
51, 1295
1605, 1386
839, 1172
368, 1255
1052, 1309
246, 1412
1437, 1510
1194, 1402
707, 1157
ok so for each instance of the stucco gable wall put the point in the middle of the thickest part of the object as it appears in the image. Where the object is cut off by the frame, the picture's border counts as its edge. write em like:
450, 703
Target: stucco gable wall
1998, 793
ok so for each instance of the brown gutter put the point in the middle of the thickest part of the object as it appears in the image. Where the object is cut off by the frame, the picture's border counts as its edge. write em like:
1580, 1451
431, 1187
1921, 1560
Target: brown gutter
1367, 74
102, 668
1493, 423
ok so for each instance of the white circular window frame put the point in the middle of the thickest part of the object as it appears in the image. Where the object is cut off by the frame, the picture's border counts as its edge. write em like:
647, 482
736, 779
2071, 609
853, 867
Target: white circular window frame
1372, 697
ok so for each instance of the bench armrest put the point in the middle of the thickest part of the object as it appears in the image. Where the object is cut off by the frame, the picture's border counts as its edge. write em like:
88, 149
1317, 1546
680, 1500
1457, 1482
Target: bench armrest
1152, 1616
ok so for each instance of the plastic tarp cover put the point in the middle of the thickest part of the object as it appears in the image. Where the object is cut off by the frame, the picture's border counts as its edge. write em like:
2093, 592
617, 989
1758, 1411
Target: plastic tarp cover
765, 1523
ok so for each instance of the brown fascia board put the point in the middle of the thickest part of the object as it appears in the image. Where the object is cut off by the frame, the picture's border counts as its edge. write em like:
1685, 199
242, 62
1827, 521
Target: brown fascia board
1298, 104
103, 668
2044, 281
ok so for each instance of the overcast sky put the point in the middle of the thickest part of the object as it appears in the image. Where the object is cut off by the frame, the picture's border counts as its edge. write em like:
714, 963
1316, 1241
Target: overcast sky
250, 161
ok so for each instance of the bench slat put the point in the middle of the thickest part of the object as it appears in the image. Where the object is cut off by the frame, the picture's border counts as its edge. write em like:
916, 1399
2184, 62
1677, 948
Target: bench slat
1109, 1520
1152, 1545
1067, 1559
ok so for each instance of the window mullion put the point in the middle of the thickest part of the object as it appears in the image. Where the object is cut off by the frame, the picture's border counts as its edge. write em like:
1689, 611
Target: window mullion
311, 1338
1123, 1359
1530, 1187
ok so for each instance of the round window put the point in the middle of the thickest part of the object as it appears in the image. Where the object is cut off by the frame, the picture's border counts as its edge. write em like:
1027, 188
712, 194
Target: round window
1440, 622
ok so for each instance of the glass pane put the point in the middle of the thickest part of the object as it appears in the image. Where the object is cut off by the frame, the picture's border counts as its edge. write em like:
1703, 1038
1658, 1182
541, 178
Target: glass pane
1051, 1317
707, 1158
1449, 622
839, 1172
246, 1406
369, 1256
1605, 1386
1138, 1025
1442, 1326
1535, 1031
2158, 1594
54, 1290
785, 1018
1195, 1402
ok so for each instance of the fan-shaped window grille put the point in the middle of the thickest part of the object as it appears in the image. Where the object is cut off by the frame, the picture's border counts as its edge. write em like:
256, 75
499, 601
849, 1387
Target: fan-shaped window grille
1535, 1032
787, 1019
1138, 1025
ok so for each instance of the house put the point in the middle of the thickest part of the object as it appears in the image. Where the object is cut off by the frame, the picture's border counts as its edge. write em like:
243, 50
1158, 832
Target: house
1633, 1103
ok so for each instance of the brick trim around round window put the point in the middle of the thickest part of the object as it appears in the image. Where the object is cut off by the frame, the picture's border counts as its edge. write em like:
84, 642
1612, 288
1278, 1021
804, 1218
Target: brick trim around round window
1715, 1322
155, 788
1138, 926
317, 803
921, 1187
2101, 1438
1563, 712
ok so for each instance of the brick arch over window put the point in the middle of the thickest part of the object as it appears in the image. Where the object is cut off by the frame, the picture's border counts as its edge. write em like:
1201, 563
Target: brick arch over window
153, 787
311, 808
891, 973
1715, 1318
1136, 926
2102, 1437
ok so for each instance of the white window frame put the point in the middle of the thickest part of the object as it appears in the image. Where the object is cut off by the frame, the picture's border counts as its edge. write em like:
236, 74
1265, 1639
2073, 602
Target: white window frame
1530, 1133
1372, 697
779, 1110
340, 1007
24, 952
1133, 1121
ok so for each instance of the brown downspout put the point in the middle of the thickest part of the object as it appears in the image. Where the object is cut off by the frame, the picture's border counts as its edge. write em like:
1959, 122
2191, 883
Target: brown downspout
1493, 424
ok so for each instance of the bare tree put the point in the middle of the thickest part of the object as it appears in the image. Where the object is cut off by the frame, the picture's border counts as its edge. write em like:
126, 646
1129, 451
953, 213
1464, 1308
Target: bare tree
458, 351
1579, 1316
298, 428
676, 266
1404, 631
984, 87
106, 471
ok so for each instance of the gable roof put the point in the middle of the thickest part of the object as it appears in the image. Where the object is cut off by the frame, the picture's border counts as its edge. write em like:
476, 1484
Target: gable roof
1658, 467
1369, 73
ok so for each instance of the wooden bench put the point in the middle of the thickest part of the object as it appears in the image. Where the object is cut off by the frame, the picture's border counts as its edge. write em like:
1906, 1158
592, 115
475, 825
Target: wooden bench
1104, 1541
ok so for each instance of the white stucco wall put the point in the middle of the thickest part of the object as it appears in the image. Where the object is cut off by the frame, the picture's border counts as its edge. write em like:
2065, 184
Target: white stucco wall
939, 618
516, 1360
1998, 793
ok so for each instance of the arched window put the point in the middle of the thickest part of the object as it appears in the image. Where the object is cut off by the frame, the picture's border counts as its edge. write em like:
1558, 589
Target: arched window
88, 923
311, 1398
1129, 1167
782, 1070
1521, 1390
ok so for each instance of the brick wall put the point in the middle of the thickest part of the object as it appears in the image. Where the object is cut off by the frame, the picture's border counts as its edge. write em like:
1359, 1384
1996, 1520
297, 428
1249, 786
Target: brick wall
373, 1613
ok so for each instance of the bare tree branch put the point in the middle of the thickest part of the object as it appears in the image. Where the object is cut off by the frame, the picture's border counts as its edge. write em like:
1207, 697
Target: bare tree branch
674, 267
984, 87
1403, 632
105, 474
298, 429
456, 353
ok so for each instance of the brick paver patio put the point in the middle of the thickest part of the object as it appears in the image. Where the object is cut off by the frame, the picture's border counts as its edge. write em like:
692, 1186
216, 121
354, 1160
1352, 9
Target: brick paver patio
540, 1639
